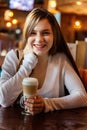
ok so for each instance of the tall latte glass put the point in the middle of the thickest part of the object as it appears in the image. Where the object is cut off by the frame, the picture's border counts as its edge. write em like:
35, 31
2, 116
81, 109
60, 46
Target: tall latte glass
30, 86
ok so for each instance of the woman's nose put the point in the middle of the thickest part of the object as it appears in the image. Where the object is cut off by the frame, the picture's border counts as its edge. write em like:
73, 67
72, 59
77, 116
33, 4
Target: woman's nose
39, 38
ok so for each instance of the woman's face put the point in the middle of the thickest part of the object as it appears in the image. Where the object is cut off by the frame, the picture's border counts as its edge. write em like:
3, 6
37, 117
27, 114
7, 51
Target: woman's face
41, 38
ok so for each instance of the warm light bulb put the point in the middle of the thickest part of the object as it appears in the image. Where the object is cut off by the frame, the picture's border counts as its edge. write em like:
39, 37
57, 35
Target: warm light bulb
78, 2
8, 24
3, 52
52, 4
11, 14
8, 15
14, 21
77, 24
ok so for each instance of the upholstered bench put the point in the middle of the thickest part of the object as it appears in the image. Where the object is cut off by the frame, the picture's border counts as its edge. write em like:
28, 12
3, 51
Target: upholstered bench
83, 73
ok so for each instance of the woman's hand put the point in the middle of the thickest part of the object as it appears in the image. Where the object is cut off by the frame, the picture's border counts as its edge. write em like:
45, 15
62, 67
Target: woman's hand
28, 49
35, 105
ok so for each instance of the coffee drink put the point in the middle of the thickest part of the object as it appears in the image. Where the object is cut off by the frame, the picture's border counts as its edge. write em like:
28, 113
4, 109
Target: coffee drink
30, 86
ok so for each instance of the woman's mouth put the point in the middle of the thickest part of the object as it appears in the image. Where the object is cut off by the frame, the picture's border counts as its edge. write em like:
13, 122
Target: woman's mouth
39, 47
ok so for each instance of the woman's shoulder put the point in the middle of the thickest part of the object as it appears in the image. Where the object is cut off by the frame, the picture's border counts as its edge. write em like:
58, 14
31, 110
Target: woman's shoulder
58, 59
59, 56
13, 54
11, 58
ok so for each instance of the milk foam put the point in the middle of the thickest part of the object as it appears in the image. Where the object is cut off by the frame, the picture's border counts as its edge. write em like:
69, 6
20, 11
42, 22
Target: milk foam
30, 81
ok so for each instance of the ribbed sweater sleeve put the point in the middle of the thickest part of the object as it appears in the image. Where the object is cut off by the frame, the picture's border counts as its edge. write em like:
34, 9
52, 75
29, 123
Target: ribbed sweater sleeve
11, 79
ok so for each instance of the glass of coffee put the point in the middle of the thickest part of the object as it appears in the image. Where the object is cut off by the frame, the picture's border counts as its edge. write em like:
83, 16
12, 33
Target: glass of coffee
30, 86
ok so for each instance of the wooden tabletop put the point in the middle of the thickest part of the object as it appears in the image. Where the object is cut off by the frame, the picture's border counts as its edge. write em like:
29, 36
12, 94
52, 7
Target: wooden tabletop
74, 119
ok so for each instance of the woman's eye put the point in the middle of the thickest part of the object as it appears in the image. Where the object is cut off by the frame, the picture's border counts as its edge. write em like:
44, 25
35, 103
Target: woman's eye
46, 33
33, 33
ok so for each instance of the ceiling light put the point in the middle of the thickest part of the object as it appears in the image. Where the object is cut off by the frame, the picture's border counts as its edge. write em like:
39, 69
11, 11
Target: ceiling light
73, 6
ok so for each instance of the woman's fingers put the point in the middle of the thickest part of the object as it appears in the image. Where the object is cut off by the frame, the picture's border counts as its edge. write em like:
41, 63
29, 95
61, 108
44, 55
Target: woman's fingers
28, 49
35, 105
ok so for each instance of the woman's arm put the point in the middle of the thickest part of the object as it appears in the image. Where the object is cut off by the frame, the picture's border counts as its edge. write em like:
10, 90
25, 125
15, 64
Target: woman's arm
10, 81
77, 95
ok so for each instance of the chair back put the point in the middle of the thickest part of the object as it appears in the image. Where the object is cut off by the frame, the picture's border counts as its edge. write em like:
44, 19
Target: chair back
83, 73
6, 42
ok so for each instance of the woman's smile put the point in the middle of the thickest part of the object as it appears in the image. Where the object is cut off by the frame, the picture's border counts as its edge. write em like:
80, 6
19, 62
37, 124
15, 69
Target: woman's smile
40, 47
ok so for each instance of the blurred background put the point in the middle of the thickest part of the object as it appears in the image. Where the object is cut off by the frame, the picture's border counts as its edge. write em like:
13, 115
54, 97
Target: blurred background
70, 14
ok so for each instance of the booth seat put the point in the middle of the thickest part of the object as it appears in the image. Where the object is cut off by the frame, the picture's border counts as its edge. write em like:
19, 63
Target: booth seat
83, 73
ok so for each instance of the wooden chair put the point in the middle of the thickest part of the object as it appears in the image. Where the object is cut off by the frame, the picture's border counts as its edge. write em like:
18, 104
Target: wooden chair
6, 43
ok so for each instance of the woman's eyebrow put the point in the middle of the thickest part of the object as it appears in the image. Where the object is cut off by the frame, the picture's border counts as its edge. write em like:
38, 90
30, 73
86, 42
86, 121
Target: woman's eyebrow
41, 30
46, 29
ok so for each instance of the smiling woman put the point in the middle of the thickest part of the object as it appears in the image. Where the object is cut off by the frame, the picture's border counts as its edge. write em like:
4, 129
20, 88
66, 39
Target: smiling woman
45, 56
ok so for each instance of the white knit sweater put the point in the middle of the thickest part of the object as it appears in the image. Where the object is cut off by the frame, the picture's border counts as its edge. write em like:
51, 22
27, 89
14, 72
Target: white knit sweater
59, 73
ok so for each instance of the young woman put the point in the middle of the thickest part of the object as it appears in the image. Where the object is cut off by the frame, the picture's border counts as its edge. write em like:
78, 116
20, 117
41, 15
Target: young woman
46, 57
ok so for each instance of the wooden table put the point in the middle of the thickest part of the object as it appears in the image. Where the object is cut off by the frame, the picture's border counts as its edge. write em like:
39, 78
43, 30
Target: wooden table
74, 119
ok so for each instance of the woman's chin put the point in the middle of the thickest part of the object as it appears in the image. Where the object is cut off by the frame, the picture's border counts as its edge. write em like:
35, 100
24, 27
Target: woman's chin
39, 53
